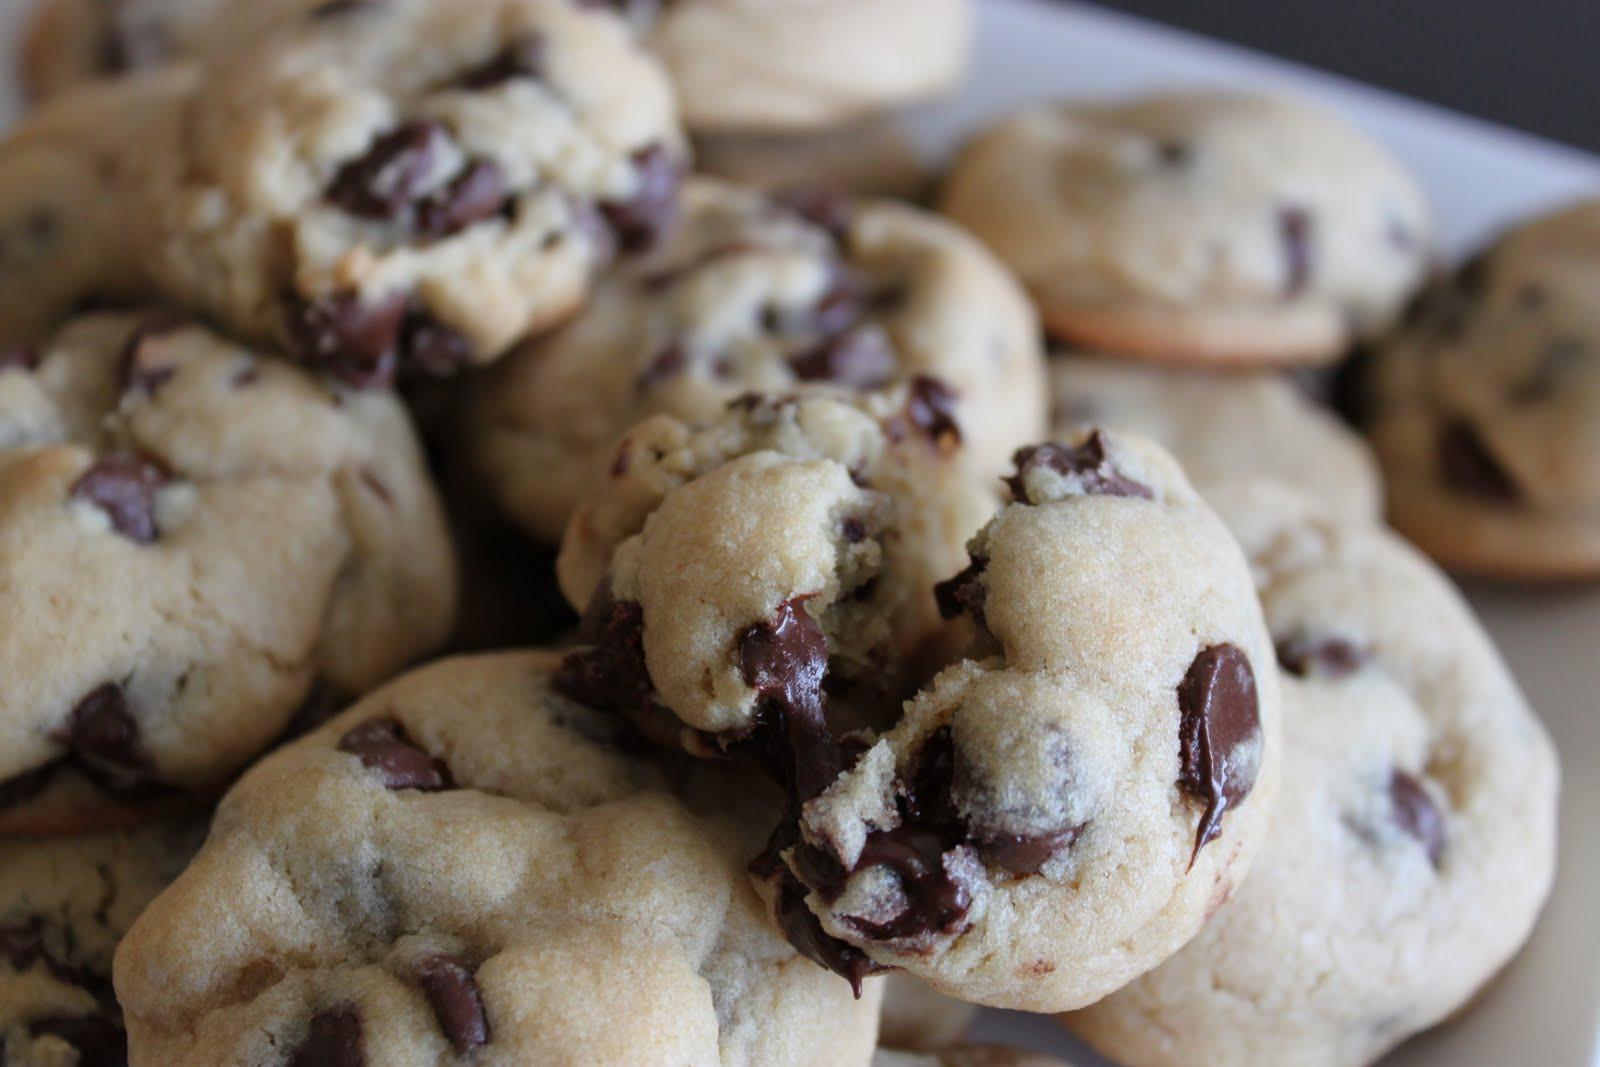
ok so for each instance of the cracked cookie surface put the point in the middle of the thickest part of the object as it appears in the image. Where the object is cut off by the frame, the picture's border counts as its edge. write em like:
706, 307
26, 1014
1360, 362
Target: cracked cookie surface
1413, 841
767, 293
1207, 228
205, 543
510, 880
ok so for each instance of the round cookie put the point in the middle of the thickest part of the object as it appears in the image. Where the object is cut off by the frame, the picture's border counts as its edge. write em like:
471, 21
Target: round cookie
830, 517
409, 187
506, 879
1109, 716
1217, 228
1414, 838
761, 293
62, 244
65, 902
1484, 407
200, 539
1224, 428
70, 42
793, 65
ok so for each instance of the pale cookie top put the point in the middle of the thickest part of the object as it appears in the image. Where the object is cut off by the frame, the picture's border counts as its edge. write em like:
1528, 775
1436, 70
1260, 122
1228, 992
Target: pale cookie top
195, 534
1223, 428
1485, 404
469, 868
408, 187
1414, 838
62, 174
798, 65
1215, 226
65, 902
829, 517
767, 293
1063, 808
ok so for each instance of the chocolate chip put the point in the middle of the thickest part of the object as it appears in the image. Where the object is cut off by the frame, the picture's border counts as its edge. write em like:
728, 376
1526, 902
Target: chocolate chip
931, 408
1308, 656
1295, 233
1173, 153
124, 487
842, 305
1467, 465
611, 673
964, 592
785, 660
1021, 854
102, 728
1219, 734
804, 931
333, 1040
665, 365
354, 340
859, 359
382, 184
129, 43
640, 222
430, 349
1089, 463
99, 1042
522, 59
853, 529
936, 900
452, 991
382, 745
826, 209
19, 356
477, 193
142, 366
1416, 814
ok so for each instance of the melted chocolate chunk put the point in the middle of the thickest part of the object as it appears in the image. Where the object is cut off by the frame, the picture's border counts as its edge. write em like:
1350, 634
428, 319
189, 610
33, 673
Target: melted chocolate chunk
804, 931
383, 184
99, 1042
522, 59
1416, 814
103, 729
124, 487
964, 592
936, 902
1294, 232
1219, 728
1021, 854
20, 788
931, 409
859, 359
19, 356
142, 366
382, 745
641, 222
333, 1040
1467, 465
785, 660
452, 991
477, 193
665, 365
355, 341
611, 673
826, 209
1089, 462
1307, 656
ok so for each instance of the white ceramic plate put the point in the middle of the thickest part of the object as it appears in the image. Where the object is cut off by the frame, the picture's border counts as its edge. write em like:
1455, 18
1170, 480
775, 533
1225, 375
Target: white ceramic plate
1545, 1010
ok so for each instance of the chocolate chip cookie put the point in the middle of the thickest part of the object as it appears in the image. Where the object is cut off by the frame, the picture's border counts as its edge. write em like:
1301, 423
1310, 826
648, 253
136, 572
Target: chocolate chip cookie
1203, 227
753, 65
1414, 837
507, 879
62, 242
1484, 406
1224, 428
408, 187
767, 293
65, 902
813, 519
199, 543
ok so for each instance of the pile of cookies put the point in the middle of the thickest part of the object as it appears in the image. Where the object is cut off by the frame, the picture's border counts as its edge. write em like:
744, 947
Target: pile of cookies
480, 587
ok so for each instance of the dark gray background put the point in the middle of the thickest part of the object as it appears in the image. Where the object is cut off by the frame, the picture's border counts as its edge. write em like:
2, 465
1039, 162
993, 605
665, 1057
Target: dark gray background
1528, 63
